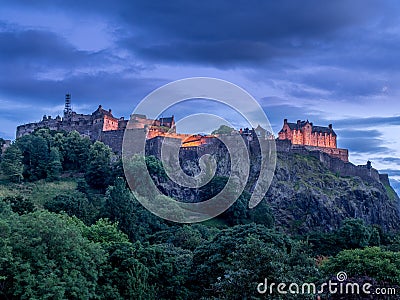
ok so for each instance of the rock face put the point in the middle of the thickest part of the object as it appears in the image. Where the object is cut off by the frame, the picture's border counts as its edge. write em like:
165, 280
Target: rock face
305, 196
308, 193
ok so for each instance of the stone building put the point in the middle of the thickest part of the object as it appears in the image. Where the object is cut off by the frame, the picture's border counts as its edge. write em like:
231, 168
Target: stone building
320, 138
101, 125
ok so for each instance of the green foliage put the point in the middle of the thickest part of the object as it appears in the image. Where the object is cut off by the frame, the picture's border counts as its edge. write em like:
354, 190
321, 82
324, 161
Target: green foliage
47, 258
75, 151
371, 261
98, 170
35, 151
74, 204
354, 234
231, 265
185, 237
54, 166
223, 129
132, 217
11, 163
390, 192
169, 269
262, 214
19, 204
351, 235
123, 276
155, 167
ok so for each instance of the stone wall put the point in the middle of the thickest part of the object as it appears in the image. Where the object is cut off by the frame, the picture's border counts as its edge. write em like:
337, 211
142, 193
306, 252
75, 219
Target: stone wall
113, 139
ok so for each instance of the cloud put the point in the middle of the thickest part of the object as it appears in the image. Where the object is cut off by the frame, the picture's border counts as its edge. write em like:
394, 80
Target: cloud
394, 160
368, 122
391, 172
244, 33
395, 185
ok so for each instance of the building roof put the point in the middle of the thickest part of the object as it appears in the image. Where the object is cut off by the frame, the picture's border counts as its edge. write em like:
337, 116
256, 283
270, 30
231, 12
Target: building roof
321, 129
102, 112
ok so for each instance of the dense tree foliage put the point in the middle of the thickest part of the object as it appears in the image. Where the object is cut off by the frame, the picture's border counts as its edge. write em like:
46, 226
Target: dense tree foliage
231, 264
373, 262
19, 204
75, 204
48, 258
11, 164
98, 169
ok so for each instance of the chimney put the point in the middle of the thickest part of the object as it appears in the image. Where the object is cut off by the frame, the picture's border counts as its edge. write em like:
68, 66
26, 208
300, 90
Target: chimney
330, 126
109, 110
298, 122
285, 121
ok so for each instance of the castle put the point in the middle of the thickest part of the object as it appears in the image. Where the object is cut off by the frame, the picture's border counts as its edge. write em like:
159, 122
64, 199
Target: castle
313, 137
301, 137
103, 126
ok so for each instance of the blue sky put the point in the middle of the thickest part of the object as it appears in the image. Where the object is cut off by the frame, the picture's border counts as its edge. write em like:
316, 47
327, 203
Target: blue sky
326, 61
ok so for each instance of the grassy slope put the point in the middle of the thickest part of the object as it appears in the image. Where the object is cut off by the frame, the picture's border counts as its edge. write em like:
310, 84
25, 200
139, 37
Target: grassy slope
39, 192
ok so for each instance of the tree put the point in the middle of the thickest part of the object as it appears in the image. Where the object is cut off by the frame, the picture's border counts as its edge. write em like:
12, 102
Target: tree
11, 164
223, 129
19, 204
133, 219
372, 261
238, 258
169, 268
50, 259
55, 166
354, 234
123, 276
75, 151
35, 151
75, 204
98, 170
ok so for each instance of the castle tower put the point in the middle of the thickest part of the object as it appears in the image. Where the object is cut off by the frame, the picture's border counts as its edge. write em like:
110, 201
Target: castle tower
67, 108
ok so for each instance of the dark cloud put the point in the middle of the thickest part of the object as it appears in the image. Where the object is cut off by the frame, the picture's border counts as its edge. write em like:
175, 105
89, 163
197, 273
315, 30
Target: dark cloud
36, 46
240, 33
368, 122
364, 145
362, 141
395, 160
391, 172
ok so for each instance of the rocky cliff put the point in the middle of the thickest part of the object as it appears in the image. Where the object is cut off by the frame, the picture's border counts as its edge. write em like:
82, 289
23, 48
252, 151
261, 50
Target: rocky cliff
308, 192
305, 195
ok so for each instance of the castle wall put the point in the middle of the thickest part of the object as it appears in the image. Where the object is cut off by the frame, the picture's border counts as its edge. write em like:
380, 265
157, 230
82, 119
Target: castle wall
109, 123
113, 139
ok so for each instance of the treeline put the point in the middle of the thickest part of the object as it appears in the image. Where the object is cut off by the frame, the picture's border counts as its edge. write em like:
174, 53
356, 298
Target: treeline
98, 242
45, 154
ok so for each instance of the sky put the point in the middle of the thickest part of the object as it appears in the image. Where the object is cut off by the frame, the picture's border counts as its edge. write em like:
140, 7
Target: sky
326, 61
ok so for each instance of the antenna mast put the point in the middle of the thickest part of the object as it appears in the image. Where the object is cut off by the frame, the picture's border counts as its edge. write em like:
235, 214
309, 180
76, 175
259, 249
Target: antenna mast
67, 108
